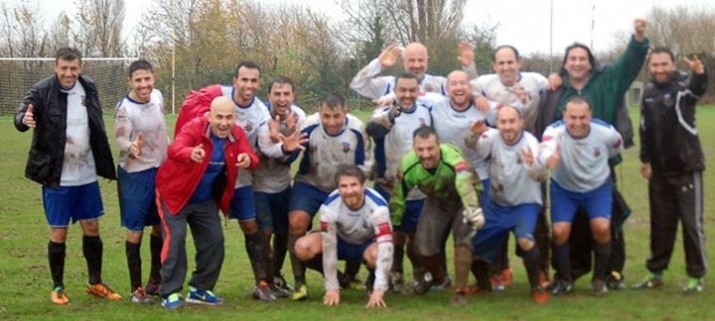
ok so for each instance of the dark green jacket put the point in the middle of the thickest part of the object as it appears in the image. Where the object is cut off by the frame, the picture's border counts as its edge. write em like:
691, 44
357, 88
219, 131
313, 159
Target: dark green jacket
606, 87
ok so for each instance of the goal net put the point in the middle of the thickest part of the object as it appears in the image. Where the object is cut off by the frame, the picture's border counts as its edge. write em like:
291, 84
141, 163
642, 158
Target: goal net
17, 75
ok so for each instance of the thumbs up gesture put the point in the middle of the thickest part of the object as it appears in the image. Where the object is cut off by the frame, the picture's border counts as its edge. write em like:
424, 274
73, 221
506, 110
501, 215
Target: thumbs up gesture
198, 153
243, 161
29, 118
136, 149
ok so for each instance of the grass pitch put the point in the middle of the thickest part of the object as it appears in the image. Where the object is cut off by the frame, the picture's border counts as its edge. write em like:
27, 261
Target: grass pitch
25, 278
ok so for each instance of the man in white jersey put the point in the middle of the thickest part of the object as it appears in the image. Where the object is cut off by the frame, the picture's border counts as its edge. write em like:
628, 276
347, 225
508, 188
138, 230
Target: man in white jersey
272, 179
354, 225
252, 115
509, 86
577, 150
370, 84
142, 141
454, 115
522, 90
391, 127
515, 198
69, 150
334, 138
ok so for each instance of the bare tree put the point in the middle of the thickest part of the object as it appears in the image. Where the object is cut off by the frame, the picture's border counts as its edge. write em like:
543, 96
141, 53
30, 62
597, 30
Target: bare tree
100, 27
24, 35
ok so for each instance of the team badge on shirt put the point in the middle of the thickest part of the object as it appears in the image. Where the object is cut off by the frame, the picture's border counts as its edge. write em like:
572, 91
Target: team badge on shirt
596, 152
248, 127
668, 99
346, 147
83, 100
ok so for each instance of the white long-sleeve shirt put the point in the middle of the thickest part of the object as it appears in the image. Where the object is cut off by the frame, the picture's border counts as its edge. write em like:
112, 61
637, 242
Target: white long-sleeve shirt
491, 87
371, 221
584, 161
370, 84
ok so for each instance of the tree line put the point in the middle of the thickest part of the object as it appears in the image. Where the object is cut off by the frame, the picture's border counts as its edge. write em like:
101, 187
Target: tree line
206, 38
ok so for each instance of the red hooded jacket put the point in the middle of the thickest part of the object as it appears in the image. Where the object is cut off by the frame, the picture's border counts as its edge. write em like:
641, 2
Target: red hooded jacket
178, 176
196, 104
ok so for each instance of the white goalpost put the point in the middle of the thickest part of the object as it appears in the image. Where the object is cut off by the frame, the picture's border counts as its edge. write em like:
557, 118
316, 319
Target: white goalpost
17, 75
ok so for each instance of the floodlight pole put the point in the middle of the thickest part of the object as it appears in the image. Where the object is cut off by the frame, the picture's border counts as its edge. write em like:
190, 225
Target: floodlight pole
173, 58
551, 36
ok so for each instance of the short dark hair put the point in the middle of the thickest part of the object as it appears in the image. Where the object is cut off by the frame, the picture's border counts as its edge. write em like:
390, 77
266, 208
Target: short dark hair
333, 101
513, 49
141, 64
591, 58
248, 64
660, 49
281, 80
68, 54
425, 132
351, 171
578, 100
406, 75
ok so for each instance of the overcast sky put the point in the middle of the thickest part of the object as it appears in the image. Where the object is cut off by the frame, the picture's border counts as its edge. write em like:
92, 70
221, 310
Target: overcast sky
524, 24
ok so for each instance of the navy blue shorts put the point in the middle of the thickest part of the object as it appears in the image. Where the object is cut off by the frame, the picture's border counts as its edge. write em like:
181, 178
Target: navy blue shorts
486, 185
272, 210
413, 209
352, 252
307, 198
137, 199
83, 202
243, 204
564, 204
500, 220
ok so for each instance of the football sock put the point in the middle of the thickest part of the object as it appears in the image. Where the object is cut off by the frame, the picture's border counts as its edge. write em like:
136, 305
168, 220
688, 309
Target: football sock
56, 256
134, 263
562, 261
92, 248
255, 248
602, 256
280, 248
156, 242
532, 260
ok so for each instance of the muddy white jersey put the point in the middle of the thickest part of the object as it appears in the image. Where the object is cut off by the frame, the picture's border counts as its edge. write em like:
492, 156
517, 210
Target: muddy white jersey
453, 127
370, 222
250, 118
324, 153
491, 87
273, 174
512, 181
130, 119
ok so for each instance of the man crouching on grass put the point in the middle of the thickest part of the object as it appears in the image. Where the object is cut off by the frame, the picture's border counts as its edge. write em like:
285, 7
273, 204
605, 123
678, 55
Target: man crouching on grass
354, 225
195, 181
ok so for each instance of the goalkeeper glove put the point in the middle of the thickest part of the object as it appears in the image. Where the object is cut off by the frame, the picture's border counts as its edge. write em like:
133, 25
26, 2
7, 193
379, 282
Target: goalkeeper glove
473, 216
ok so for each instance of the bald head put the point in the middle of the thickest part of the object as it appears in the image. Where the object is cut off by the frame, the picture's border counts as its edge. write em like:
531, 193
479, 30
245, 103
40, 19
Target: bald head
510, 124
508, 111
414, 58
222, 116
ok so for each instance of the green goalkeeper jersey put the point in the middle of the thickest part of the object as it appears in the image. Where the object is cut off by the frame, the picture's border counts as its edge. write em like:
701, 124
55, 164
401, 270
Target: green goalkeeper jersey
452, 181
